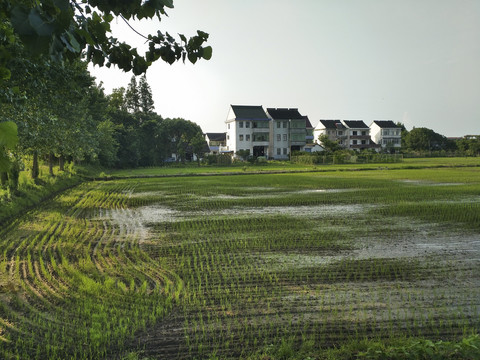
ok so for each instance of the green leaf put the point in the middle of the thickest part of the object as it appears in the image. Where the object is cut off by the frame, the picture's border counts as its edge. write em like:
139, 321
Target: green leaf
207, 53
8, 134
39, 25
167, 3
20, 22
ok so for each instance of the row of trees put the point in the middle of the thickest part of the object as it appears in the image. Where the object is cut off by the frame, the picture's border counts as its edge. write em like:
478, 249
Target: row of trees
61, 114
50, 105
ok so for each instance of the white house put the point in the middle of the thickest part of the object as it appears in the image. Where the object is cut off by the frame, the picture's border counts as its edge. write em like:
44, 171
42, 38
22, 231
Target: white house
248, 128
334, 129
216, 142
358, 135
386, 134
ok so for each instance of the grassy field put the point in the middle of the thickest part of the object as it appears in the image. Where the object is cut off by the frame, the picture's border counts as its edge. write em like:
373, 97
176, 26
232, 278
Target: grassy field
295, 265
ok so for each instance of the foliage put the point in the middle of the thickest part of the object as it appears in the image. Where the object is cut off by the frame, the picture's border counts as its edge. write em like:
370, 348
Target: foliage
65, 29
145, 95
328, 144
427, 139
8, 140
243, 154
467, 348
469, 145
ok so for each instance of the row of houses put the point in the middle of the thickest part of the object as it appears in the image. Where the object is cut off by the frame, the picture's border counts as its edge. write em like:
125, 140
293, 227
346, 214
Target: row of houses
277, 132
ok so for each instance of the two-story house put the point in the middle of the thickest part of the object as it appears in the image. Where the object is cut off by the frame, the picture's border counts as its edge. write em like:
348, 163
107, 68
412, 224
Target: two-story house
386, 134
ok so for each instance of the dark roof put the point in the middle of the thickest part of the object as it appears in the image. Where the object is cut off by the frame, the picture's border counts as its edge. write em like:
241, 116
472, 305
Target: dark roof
355, 124
308, 124
249, 112
284, 113
217, 136
332, 124
386, 124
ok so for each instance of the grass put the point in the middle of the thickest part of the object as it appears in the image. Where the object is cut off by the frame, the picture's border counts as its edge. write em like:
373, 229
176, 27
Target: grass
336, 264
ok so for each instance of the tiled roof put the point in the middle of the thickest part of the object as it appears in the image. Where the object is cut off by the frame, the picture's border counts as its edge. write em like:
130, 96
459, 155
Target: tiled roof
217, 136
284, 113
386, 124
308, 124
355, 124
332, 124
249, 112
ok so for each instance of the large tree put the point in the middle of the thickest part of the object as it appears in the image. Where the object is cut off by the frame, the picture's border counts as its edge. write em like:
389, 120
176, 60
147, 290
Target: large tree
145, 95
425, 139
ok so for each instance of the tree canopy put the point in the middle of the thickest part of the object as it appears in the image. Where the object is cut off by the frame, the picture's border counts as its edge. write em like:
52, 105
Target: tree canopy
66, 29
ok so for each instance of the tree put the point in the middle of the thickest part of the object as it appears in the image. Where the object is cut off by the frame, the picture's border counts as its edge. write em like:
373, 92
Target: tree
328, 144
176, 135
145, 94
199, 146
424, 139
132, 96
469, 145
67, 29
8, 141
116, 100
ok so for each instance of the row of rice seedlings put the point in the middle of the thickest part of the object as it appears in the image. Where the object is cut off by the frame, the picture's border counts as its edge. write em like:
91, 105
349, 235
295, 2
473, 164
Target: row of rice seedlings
102, 308
223, 284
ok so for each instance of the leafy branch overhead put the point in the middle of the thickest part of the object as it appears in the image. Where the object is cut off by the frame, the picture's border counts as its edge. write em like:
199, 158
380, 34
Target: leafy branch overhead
68, 29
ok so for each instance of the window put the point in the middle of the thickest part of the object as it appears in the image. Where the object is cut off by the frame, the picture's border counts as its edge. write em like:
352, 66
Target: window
247, 124
260, 124
285, 124
364, 133
260, 137
240, 124
354, 133
354, 142
340, 133
247, 137
284, 137
278, 124
364, 142
240, 137
279, 151
279, 137
229, 126
284, 151
228, 137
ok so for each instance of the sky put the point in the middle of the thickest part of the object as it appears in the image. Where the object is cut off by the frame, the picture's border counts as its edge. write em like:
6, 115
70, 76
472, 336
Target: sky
410, 61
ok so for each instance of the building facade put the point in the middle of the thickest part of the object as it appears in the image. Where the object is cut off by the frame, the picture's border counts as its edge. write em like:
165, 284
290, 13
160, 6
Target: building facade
274, 133
386, 134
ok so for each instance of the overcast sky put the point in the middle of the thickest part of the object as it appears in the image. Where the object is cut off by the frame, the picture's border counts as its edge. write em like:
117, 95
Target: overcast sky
413, 61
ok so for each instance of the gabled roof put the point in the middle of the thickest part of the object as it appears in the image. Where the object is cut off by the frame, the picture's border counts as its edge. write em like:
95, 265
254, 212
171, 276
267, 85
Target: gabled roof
217, 136
386, 124
355, 124
332, 124
249, 112
308, 124
284, 113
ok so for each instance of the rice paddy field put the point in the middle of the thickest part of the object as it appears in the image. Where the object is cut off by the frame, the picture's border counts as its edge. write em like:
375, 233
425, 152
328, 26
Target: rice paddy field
243, 266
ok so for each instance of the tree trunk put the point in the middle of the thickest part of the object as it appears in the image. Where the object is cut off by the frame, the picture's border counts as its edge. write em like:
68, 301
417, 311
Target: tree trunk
50, 164
35, 170
3, 179
61, 163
